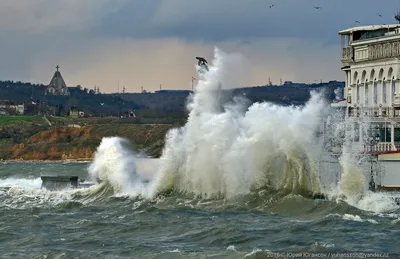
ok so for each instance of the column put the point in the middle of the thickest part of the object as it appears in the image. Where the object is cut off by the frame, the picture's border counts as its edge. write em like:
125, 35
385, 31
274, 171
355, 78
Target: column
392, 136
392, 91
348, 83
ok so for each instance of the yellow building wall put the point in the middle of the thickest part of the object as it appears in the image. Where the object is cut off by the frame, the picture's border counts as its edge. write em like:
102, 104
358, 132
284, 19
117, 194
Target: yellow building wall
389, 156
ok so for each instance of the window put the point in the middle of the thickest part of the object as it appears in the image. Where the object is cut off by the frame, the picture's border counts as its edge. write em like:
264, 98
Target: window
375, 93
366, 94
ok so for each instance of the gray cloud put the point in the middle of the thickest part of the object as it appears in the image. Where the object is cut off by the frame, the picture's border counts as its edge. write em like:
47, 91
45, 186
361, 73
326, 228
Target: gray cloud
147, 43
44, 16
237, 19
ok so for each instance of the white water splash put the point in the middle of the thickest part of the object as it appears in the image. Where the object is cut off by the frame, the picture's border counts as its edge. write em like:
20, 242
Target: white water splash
21, 183
353, 184
226, 150
115, 164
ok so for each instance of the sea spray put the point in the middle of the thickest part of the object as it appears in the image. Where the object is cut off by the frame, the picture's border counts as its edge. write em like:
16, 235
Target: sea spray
355, 176
352, 183
114, 165
230, 148
355, 167
228, 151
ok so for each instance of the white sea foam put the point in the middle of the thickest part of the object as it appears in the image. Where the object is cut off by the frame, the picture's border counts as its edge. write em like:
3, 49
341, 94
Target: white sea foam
255, 251
226, 149
21, 183
358, 218
115, 164
351, 217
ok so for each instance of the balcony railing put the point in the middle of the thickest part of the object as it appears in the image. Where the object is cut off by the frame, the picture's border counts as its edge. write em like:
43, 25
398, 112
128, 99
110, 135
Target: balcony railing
384, 50
381, 147
374, 112
347, 53
396, 101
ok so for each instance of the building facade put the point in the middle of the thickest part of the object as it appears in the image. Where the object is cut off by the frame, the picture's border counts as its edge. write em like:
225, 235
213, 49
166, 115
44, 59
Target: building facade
371, 63
7, 108
74, 112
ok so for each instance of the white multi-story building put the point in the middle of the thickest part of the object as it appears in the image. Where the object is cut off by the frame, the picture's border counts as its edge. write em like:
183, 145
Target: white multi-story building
371, 62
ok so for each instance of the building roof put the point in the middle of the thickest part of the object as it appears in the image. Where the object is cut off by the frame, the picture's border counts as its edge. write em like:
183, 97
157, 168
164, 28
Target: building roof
57, 85
57, 80
369, 28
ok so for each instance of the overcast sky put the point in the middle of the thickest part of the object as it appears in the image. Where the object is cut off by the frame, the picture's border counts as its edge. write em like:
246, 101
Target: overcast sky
145, 43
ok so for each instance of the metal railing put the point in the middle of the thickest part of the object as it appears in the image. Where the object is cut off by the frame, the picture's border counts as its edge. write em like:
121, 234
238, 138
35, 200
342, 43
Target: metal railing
381, 147
396, 101
385, 112
384, 50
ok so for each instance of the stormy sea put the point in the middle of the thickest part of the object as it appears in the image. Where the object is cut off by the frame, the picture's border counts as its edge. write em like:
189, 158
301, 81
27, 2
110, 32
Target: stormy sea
236, 181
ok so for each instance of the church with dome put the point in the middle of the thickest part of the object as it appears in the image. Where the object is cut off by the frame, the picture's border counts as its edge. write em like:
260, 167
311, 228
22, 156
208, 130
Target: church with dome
57, 85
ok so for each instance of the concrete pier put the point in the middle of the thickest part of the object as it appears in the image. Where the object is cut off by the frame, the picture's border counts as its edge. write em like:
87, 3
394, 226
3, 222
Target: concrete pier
59, 182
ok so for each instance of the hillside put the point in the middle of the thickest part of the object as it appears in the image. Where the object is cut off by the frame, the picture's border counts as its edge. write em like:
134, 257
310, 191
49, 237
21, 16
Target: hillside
49, 137
160, 104
39, 141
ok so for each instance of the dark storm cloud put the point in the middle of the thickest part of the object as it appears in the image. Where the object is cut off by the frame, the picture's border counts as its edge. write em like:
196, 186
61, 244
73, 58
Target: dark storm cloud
222, 20
148, 42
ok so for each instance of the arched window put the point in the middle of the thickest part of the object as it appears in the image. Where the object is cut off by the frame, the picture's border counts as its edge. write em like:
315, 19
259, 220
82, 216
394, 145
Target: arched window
380, 74
363, 76
366, 94
358, 94
375, 93
355, 77
390, 72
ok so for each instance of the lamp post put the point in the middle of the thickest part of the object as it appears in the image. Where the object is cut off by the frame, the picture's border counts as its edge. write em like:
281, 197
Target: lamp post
193, 79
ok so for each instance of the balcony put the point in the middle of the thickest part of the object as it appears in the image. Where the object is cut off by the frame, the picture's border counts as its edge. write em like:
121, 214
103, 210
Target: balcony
384, 50
376, 113
396, 101
347, 54
381, 147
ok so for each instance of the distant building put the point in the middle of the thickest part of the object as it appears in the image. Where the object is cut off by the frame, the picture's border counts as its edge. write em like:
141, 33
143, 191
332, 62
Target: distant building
74, 112
288, 83
19, 109
96, 90
57, 85
11, 109
4, 112
130, 114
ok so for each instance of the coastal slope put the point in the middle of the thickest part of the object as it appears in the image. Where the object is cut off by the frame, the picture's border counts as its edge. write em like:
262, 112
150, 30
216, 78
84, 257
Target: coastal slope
38, 140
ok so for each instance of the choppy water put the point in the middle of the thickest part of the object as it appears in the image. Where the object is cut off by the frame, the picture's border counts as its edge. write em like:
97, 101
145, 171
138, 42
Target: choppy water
94, 223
